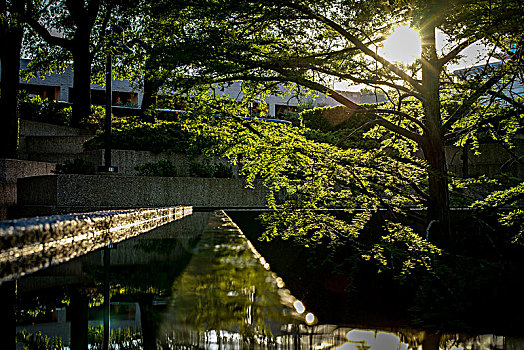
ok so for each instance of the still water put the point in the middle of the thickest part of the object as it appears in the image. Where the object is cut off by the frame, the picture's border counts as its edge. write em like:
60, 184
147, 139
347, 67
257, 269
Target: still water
197, 283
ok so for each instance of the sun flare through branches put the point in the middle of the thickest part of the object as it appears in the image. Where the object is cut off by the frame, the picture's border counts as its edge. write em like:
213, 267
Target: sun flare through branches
402, 46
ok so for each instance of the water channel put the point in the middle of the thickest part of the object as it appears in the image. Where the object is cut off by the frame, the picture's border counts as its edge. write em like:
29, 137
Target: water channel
198, 283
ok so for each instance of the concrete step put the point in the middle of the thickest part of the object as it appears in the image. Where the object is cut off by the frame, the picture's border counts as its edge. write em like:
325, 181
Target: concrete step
55, 144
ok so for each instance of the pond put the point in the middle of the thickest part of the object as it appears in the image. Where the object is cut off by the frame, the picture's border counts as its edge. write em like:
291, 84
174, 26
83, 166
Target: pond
199, 283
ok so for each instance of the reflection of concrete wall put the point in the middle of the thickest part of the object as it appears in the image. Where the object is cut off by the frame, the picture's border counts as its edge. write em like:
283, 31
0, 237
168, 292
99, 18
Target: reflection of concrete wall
30, 245
183, 233
77, 192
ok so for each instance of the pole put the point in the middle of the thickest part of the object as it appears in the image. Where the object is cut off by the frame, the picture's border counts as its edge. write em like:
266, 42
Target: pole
109, 100
107, 297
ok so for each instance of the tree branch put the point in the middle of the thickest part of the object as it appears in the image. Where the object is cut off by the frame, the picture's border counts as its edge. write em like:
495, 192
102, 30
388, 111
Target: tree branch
400, 114
359, 44
484, 88
453, 53
498, 94
44, 34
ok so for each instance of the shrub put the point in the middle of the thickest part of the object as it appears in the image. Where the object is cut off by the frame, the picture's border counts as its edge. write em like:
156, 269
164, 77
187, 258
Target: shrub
133, 134
43, 110
205, 169
160, 168
76, 166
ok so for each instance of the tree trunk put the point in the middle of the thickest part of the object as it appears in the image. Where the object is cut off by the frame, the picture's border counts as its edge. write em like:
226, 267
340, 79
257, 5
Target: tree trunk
11, 39
149, 98
438, 209
81, 94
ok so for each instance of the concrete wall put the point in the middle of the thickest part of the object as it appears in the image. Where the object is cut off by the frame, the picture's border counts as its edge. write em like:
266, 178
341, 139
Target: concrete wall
13, 169
115, 191
10, 171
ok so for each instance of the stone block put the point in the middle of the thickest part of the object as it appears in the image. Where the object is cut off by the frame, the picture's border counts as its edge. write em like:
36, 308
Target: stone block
37, 190
127, 160
33, 128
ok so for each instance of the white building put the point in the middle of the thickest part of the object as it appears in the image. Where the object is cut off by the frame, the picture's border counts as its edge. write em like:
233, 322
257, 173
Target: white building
58, 87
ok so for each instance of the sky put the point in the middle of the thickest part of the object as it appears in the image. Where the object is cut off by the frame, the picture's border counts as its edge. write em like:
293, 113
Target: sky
404, 45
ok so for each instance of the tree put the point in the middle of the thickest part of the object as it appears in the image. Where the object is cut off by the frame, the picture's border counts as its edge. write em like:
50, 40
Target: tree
11, 33
70, 30
314, 44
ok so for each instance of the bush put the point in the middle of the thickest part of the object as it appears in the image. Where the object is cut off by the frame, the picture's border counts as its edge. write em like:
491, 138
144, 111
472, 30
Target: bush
161, 168
205, 169
133, 134
332, 118
45, 111
76, 166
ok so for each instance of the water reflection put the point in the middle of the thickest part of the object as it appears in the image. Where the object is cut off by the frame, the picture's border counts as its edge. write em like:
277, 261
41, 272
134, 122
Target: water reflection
196, 284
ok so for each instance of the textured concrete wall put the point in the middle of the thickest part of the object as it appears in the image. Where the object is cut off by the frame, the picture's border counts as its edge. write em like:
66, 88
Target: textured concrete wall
29, 245
10, 171
37, 190
115, 191
32, 128
56, 144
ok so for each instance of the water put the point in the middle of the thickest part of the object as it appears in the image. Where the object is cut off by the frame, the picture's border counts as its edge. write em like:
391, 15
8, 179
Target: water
197, 284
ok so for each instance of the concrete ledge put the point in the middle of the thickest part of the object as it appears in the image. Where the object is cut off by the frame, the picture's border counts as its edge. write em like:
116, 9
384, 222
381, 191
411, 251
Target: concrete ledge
114, 191
29, 245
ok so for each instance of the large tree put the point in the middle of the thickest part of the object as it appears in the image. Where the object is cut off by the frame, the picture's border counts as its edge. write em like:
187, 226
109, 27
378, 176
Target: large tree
11, 33
69, 30
316, 43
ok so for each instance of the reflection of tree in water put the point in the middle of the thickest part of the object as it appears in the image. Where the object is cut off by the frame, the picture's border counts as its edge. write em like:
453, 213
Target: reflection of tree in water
225, 295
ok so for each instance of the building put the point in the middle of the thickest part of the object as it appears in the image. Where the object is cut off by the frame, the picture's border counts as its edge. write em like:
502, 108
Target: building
58, 87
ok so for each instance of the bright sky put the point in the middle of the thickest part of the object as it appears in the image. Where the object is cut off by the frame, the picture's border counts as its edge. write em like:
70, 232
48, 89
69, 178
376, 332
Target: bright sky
403, 46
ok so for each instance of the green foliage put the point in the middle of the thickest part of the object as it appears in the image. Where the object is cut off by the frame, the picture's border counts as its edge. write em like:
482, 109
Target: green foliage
125, 339
75, 166
172, 137
509, 202
160, 168
43, 110
404, 250
206, 169
37, 341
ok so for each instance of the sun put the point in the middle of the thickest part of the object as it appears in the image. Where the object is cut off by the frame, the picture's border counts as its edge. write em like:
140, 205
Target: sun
402, 46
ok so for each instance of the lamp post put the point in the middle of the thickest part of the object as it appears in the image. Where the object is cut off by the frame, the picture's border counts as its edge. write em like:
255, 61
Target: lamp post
107, 167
